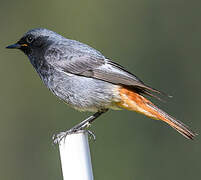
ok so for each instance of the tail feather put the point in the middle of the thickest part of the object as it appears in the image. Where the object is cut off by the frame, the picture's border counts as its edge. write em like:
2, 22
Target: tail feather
133, 101
174, 123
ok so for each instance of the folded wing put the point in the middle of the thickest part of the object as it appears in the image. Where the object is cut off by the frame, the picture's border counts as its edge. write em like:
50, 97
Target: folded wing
102, 69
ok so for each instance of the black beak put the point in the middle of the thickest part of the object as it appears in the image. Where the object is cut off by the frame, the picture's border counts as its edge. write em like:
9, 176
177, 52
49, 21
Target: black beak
14, 46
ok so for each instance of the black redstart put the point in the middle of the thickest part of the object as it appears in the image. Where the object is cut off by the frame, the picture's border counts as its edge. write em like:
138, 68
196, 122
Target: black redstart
87, 81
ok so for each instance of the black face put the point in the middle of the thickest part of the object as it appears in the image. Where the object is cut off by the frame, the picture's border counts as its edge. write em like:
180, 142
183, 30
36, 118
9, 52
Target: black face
30, 43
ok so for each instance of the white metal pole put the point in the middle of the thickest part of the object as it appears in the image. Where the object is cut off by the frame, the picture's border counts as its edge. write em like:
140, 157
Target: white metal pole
75, 157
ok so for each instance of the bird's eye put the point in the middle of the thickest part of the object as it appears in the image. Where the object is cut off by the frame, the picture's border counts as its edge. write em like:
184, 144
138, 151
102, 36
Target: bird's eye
29, 39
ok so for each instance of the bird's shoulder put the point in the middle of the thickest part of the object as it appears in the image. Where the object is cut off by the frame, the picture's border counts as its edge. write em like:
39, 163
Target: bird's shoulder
68, 49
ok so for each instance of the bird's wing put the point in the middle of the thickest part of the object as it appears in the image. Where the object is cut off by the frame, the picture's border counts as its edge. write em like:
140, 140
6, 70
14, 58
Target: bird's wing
102, 69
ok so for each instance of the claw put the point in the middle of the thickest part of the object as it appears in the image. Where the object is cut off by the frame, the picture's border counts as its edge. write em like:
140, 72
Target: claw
58, 137
91, 135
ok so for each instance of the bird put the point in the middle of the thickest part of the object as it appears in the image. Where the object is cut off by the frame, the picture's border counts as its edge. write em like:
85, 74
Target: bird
86, 80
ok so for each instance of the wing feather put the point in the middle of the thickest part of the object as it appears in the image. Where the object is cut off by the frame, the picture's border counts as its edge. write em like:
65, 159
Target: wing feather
102, 69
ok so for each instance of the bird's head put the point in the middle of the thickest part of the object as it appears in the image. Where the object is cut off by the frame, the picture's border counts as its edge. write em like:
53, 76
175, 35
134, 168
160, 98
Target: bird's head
35, 41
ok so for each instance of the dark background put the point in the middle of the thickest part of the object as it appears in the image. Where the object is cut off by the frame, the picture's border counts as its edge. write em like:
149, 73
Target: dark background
159, 41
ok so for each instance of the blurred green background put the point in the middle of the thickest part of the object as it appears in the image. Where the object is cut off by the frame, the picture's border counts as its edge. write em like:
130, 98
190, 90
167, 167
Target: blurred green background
159, 41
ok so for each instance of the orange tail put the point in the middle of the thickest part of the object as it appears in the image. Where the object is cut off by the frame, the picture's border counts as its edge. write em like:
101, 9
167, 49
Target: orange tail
133, 101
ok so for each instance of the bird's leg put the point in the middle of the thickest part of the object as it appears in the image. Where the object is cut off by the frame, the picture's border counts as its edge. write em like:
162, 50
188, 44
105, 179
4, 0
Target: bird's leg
81, 126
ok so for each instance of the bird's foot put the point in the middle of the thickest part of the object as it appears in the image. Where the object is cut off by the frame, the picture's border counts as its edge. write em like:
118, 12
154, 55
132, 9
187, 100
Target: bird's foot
82, 126
62, 135
58, 137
